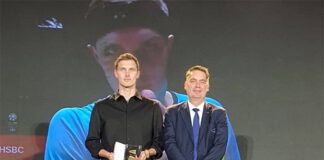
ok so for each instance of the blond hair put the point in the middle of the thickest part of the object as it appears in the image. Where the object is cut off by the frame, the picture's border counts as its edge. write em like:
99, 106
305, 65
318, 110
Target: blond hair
126, 56
200, 68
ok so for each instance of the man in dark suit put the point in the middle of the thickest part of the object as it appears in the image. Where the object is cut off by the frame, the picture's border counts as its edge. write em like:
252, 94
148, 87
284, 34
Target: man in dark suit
195, 129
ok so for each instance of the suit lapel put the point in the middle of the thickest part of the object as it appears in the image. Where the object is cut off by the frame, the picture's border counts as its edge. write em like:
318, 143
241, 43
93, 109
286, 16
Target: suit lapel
184, 111
204, 122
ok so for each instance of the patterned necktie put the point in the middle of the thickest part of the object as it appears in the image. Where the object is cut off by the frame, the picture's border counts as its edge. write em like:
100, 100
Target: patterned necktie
195, 131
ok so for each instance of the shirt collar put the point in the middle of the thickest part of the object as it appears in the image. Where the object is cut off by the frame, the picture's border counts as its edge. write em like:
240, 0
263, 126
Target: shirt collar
200, 106
116, 95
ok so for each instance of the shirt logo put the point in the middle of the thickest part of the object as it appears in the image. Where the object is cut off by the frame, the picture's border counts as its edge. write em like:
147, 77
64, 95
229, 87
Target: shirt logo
51, 23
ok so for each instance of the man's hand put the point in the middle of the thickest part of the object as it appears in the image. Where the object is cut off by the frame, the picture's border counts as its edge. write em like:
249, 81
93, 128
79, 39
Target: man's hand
146, 154
106, 154
110, 156
142, 156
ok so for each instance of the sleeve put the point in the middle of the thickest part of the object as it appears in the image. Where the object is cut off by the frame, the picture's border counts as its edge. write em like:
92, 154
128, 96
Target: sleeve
232, 151
157, 131
67, 132
93, 139
170, 144
219, 146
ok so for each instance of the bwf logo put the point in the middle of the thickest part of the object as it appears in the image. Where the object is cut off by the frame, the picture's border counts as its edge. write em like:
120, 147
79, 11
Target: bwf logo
11, 149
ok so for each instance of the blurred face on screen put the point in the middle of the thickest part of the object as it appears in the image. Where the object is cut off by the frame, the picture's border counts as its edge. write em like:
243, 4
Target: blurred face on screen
150, 48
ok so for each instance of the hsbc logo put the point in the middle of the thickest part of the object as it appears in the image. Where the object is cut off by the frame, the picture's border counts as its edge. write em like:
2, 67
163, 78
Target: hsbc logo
11, 149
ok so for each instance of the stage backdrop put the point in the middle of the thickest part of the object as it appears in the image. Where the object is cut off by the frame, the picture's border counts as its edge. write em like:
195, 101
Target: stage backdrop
265, 60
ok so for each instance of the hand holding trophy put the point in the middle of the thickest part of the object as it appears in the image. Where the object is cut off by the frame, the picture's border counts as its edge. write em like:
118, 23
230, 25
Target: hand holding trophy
128, 152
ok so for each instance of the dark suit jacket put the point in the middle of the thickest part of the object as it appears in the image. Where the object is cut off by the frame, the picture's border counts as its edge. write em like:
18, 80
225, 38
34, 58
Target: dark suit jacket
178, 136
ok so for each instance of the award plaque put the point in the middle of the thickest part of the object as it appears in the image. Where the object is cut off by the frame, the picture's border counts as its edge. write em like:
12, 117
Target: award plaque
126, 151
132, 151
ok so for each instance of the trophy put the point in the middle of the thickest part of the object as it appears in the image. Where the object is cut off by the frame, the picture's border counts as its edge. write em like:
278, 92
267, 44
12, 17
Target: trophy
132, 151
126, 151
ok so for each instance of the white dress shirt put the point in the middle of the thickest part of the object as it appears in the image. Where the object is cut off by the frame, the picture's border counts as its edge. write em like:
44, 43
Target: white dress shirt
192, 113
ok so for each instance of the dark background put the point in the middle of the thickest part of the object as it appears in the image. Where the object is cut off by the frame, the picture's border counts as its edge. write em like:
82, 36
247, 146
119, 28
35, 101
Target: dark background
265, 59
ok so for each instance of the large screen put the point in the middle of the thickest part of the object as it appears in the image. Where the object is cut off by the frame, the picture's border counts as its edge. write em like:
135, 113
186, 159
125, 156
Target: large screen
265, 59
